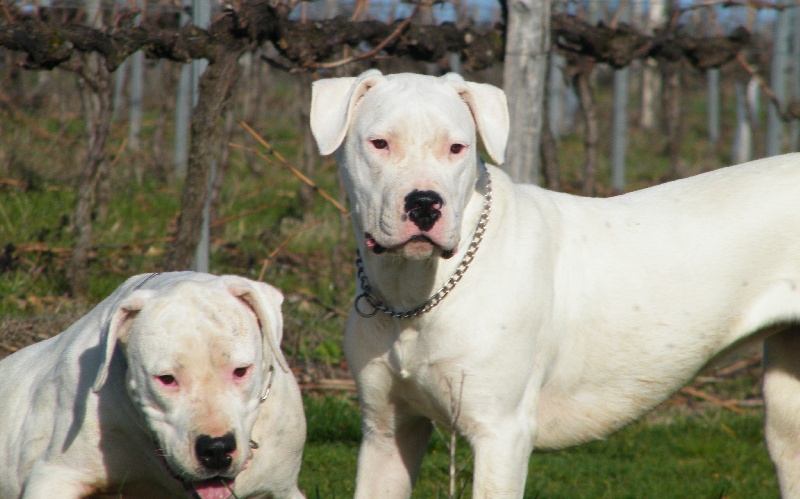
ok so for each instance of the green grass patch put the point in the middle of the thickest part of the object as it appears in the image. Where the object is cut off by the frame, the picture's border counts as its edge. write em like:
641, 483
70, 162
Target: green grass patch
710, 455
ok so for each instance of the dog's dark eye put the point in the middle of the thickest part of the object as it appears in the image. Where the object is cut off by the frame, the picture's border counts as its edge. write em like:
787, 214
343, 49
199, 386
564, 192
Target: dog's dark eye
379, 143
457, 148
241, 372
167, 380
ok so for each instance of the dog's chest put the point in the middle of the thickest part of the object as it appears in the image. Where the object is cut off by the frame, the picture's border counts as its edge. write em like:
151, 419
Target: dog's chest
425, 372
404, 357
417, 353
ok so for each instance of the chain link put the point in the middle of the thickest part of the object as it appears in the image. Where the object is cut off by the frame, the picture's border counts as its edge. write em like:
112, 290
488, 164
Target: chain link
379, 306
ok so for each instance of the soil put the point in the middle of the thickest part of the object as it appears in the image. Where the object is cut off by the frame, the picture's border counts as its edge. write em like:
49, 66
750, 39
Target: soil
19, 332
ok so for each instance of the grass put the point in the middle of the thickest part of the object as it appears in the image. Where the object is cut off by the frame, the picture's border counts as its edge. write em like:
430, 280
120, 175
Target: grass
266, 229
712, 455
262, 230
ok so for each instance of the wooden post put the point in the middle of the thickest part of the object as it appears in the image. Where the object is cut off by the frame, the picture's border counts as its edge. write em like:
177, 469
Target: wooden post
780, 47
743, 137
201, 17
795, 126
527, 46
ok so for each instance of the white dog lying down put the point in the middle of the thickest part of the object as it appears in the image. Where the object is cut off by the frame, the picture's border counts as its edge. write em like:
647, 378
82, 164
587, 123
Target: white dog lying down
160, 391
572, 317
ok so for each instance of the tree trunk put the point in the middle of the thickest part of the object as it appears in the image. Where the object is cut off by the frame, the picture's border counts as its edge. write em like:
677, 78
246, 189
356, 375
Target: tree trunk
135, 102
527, 46
167, 73
222, 171
308, 151
95, 88
215, 89
583, 85
672, 111
552, 171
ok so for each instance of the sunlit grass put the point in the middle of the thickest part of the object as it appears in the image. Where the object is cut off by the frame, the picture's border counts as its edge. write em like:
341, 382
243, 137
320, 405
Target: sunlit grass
709, 455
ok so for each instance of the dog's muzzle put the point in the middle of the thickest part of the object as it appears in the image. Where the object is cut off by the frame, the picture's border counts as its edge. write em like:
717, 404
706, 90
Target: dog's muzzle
424, 208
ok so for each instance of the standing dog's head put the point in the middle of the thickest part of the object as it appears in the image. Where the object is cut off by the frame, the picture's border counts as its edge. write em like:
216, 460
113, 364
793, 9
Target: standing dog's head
408, 153
198, 358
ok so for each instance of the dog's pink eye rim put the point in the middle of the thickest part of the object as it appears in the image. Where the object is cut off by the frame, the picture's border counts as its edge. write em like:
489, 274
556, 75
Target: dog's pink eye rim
379, 143
241, 372
167, 380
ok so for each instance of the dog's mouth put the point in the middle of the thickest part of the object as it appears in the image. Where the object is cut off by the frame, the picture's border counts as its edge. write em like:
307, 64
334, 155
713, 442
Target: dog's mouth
418, 245
216, 487
212, 488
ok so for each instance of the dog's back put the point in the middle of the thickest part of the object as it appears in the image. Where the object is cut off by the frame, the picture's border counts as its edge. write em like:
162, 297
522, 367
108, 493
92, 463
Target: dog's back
31, 382
34, 383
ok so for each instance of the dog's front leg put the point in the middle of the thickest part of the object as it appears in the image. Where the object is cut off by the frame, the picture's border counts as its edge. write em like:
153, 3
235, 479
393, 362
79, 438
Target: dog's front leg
389, 459
782, 400
50, 480
501, 462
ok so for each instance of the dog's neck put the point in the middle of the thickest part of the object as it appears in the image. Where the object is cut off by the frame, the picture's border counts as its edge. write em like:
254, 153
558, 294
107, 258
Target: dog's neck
402, 284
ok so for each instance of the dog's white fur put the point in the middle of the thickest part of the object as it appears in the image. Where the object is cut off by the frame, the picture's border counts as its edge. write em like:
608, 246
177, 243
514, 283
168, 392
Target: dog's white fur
576, 316
85, 413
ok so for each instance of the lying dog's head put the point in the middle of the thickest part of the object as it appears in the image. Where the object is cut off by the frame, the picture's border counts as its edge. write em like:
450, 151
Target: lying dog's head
408, 152
198, 358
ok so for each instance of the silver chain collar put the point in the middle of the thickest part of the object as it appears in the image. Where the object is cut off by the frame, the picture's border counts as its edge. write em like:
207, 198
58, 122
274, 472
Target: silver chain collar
380, 306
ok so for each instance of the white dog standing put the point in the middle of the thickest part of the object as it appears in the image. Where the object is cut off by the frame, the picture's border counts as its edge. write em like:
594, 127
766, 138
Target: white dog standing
160, 391
566, 317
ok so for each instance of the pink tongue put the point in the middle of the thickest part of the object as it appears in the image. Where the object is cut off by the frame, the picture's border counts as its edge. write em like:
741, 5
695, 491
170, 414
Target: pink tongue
214, 488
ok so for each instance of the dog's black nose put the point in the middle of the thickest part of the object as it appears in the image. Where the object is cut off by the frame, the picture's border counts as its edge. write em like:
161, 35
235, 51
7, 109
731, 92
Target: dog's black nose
424, 208
215, 452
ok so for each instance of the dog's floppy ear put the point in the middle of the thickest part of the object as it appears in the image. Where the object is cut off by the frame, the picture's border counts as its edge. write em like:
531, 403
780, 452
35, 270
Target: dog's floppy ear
265, 300
332, 104
490, 111
117, 329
